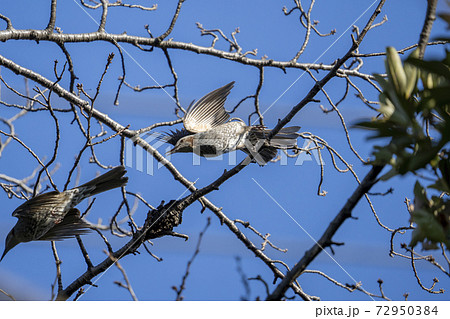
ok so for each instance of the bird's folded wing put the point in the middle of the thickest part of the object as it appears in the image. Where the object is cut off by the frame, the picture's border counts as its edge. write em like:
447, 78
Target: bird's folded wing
51, 204
209, 111
70, 226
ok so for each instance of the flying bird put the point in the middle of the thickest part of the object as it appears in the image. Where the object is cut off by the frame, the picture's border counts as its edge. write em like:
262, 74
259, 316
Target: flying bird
208, 133
52, 216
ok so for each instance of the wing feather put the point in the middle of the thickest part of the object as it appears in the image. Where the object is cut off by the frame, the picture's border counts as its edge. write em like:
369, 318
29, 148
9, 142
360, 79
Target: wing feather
70, 226
173, 136
209, 111
47, 202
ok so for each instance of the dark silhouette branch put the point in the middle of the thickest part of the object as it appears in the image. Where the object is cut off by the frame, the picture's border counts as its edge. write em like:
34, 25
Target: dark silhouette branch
430, 16
326, 238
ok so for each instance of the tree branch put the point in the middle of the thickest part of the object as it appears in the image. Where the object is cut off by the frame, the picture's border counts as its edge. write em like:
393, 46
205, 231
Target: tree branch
326, 238
42, 35
333, 72
430, 16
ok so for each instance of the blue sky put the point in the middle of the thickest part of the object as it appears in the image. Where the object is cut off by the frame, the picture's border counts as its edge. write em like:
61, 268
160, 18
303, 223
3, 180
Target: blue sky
29, 269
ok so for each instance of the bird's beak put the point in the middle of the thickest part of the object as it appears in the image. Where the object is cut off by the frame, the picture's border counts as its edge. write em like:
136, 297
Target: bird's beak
10, 243
4, 253
173, 150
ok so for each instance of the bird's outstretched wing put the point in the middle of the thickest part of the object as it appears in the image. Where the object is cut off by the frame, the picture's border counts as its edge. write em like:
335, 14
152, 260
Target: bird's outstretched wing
209, 111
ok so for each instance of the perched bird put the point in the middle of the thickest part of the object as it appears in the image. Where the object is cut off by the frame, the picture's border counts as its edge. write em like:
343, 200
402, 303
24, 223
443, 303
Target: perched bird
52, 216
208, 133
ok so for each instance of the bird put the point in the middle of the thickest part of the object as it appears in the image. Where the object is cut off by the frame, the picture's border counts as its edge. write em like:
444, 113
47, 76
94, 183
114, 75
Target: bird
208, 133
52, 216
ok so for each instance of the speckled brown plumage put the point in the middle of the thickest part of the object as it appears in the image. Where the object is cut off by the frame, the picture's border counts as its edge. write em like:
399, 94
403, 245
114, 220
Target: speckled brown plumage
52, 216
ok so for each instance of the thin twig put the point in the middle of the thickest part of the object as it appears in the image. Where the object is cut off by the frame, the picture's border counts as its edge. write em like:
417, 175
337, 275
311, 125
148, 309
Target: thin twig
180, 290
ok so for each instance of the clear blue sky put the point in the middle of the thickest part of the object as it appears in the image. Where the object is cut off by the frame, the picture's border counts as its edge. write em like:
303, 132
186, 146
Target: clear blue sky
29, 269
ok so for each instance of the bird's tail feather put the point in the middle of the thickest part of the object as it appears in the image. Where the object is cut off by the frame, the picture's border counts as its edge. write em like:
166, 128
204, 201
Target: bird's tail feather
262, 156
284, 143
285, 138
267, 153
290, 129
112, 179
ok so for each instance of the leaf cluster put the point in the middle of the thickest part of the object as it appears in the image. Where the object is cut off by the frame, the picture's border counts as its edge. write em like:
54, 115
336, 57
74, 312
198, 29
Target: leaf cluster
415, 120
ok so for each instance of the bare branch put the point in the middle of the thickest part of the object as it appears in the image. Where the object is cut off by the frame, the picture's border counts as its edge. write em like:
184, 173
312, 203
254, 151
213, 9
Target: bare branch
427, 25
179, 291
51, 23
8, 295
127, 284
172, 23
326, 239
58, 269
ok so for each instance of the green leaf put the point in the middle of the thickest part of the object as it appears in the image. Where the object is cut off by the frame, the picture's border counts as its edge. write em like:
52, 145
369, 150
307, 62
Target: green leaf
420, 197
412, 74
433, 67
440, 94
416, 237
393, 172
428, 226
386, 106
395, 71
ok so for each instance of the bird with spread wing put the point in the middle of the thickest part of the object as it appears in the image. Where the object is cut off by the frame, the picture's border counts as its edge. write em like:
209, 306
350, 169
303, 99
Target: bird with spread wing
207, 132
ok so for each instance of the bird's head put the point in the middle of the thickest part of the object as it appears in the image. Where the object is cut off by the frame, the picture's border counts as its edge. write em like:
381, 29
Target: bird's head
183, 145
10, 242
